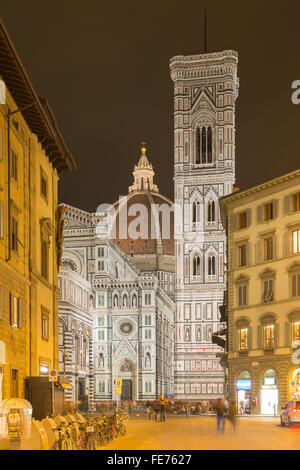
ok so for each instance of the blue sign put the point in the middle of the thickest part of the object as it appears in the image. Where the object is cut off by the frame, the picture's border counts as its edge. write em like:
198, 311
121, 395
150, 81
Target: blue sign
243, 384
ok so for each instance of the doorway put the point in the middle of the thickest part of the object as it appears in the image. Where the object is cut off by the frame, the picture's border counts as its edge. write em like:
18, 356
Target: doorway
126, 389
269, 393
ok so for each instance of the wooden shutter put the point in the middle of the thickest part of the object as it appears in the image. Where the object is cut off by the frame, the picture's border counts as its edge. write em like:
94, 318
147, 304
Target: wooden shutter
248, 253
275, 246
287, 335
11, 307
234, 222
248, 217
276, 335
259, 336
21, 313
287, 204
259, 214
258, 251
2, 303
233, 257
234, 340
249, 338
275, 208
286, 244
1, 220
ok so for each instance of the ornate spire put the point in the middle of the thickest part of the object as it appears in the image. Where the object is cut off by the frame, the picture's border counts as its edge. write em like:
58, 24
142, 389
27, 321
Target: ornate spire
143, 174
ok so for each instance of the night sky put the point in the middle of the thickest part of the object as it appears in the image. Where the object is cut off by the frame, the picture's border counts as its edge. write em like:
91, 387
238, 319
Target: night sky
104, 68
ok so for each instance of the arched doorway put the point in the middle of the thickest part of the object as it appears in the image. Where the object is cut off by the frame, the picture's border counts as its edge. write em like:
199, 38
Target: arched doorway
269, 393
126, 373
243, 388
294, 385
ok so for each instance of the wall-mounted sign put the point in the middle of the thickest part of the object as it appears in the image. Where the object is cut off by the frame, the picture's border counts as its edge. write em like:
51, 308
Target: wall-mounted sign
243, 384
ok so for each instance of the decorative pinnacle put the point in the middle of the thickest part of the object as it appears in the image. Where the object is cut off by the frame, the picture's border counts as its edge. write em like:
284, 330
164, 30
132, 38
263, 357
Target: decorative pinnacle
143, 147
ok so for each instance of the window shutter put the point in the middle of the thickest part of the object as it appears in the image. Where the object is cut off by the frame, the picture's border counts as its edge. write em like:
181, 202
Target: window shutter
233, 256
11, 307
276, 338
21, 312
258, 251
2, 304
287, 335
234, 222
249, 338
248, 217
286, 244
259, 215
275, 246
248, 254
275, 208
287, 204
234, 340
259, 336
1, 220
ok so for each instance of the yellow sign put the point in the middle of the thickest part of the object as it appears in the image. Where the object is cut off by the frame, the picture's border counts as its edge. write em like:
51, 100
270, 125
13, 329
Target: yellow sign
118, 386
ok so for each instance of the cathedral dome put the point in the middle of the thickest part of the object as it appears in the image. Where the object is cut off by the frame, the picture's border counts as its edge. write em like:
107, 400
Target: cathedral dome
144, 219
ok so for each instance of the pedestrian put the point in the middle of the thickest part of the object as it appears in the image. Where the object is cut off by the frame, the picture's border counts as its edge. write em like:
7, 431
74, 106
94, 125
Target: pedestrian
163, 408
156, 409
220, 411
232, 411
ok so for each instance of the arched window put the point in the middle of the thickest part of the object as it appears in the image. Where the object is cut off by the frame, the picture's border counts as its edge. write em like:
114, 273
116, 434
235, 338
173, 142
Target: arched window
209, 145
203, 146
196, 265
211, 265
211, 213
198, 146
196, 212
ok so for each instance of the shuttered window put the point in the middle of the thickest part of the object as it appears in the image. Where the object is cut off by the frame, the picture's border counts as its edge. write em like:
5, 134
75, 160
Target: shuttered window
295, 282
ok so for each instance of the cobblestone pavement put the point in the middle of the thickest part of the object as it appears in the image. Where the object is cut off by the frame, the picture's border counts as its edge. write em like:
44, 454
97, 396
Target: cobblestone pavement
199, 432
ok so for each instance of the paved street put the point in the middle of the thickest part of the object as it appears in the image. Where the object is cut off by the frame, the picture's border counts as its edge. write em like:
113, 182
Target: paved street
196, 433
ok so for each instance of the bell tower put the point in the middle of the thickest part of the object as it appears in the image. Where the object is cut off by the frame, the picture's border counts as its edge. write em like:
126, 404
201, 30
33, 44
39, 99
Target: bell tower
205, 92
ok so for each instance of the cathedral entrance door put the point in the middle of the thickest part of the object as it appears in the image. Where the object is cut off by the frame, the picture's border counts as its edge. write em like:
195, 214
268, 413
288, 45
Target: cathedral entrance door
126, 389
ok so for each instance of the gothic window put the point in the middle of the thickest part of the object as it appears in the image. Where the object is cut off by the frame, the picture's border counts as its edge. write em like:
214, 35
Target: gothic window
196, 265
209, 145
196, 212
211, 265
198, 146
211, 213
203, 145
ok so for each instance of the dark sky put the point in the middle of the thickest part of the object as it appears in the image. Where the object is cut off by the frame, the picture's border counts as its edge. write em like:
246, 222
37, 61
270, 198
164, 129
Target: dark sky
104, 68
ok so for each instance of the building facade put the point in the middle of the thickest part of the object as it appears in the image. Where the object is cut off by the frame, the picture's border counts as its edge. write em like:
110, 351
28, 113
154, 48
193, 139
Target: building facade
263, 225
130, 302
32, 156
205, 92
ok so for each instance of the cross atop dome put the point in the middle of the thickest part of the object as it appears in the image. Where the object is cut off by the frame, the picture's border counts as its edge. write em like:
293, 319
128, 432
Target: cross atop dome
143, 174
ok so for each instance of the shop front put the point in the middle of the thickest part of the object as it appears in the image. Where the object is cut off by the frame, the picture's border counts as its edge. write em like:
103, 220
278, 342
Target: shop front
269, 393
294, 385
243, 389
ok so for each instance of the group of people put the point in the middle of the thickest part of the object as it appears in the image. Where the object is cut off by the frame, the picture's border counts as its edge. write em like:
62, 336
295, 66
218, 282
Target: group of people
158, 407
225, 410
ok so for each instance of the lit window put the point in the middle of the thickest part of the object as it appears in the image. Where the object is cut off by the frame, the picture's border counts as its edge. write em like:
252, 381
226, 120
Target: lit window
243, 339
269, 336
296, 331
296, 241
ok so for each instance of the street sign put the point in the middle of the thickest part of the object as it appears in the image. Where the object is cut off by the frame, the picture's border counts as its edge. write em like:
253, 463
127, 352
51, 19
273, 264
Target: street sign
53, 375
118, 386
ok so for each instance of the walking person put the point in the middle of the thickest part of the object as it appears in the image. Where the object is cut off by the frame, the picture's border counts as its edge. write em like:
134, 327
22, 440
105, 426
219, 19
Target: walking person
220, 411
155, 409
232, 412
